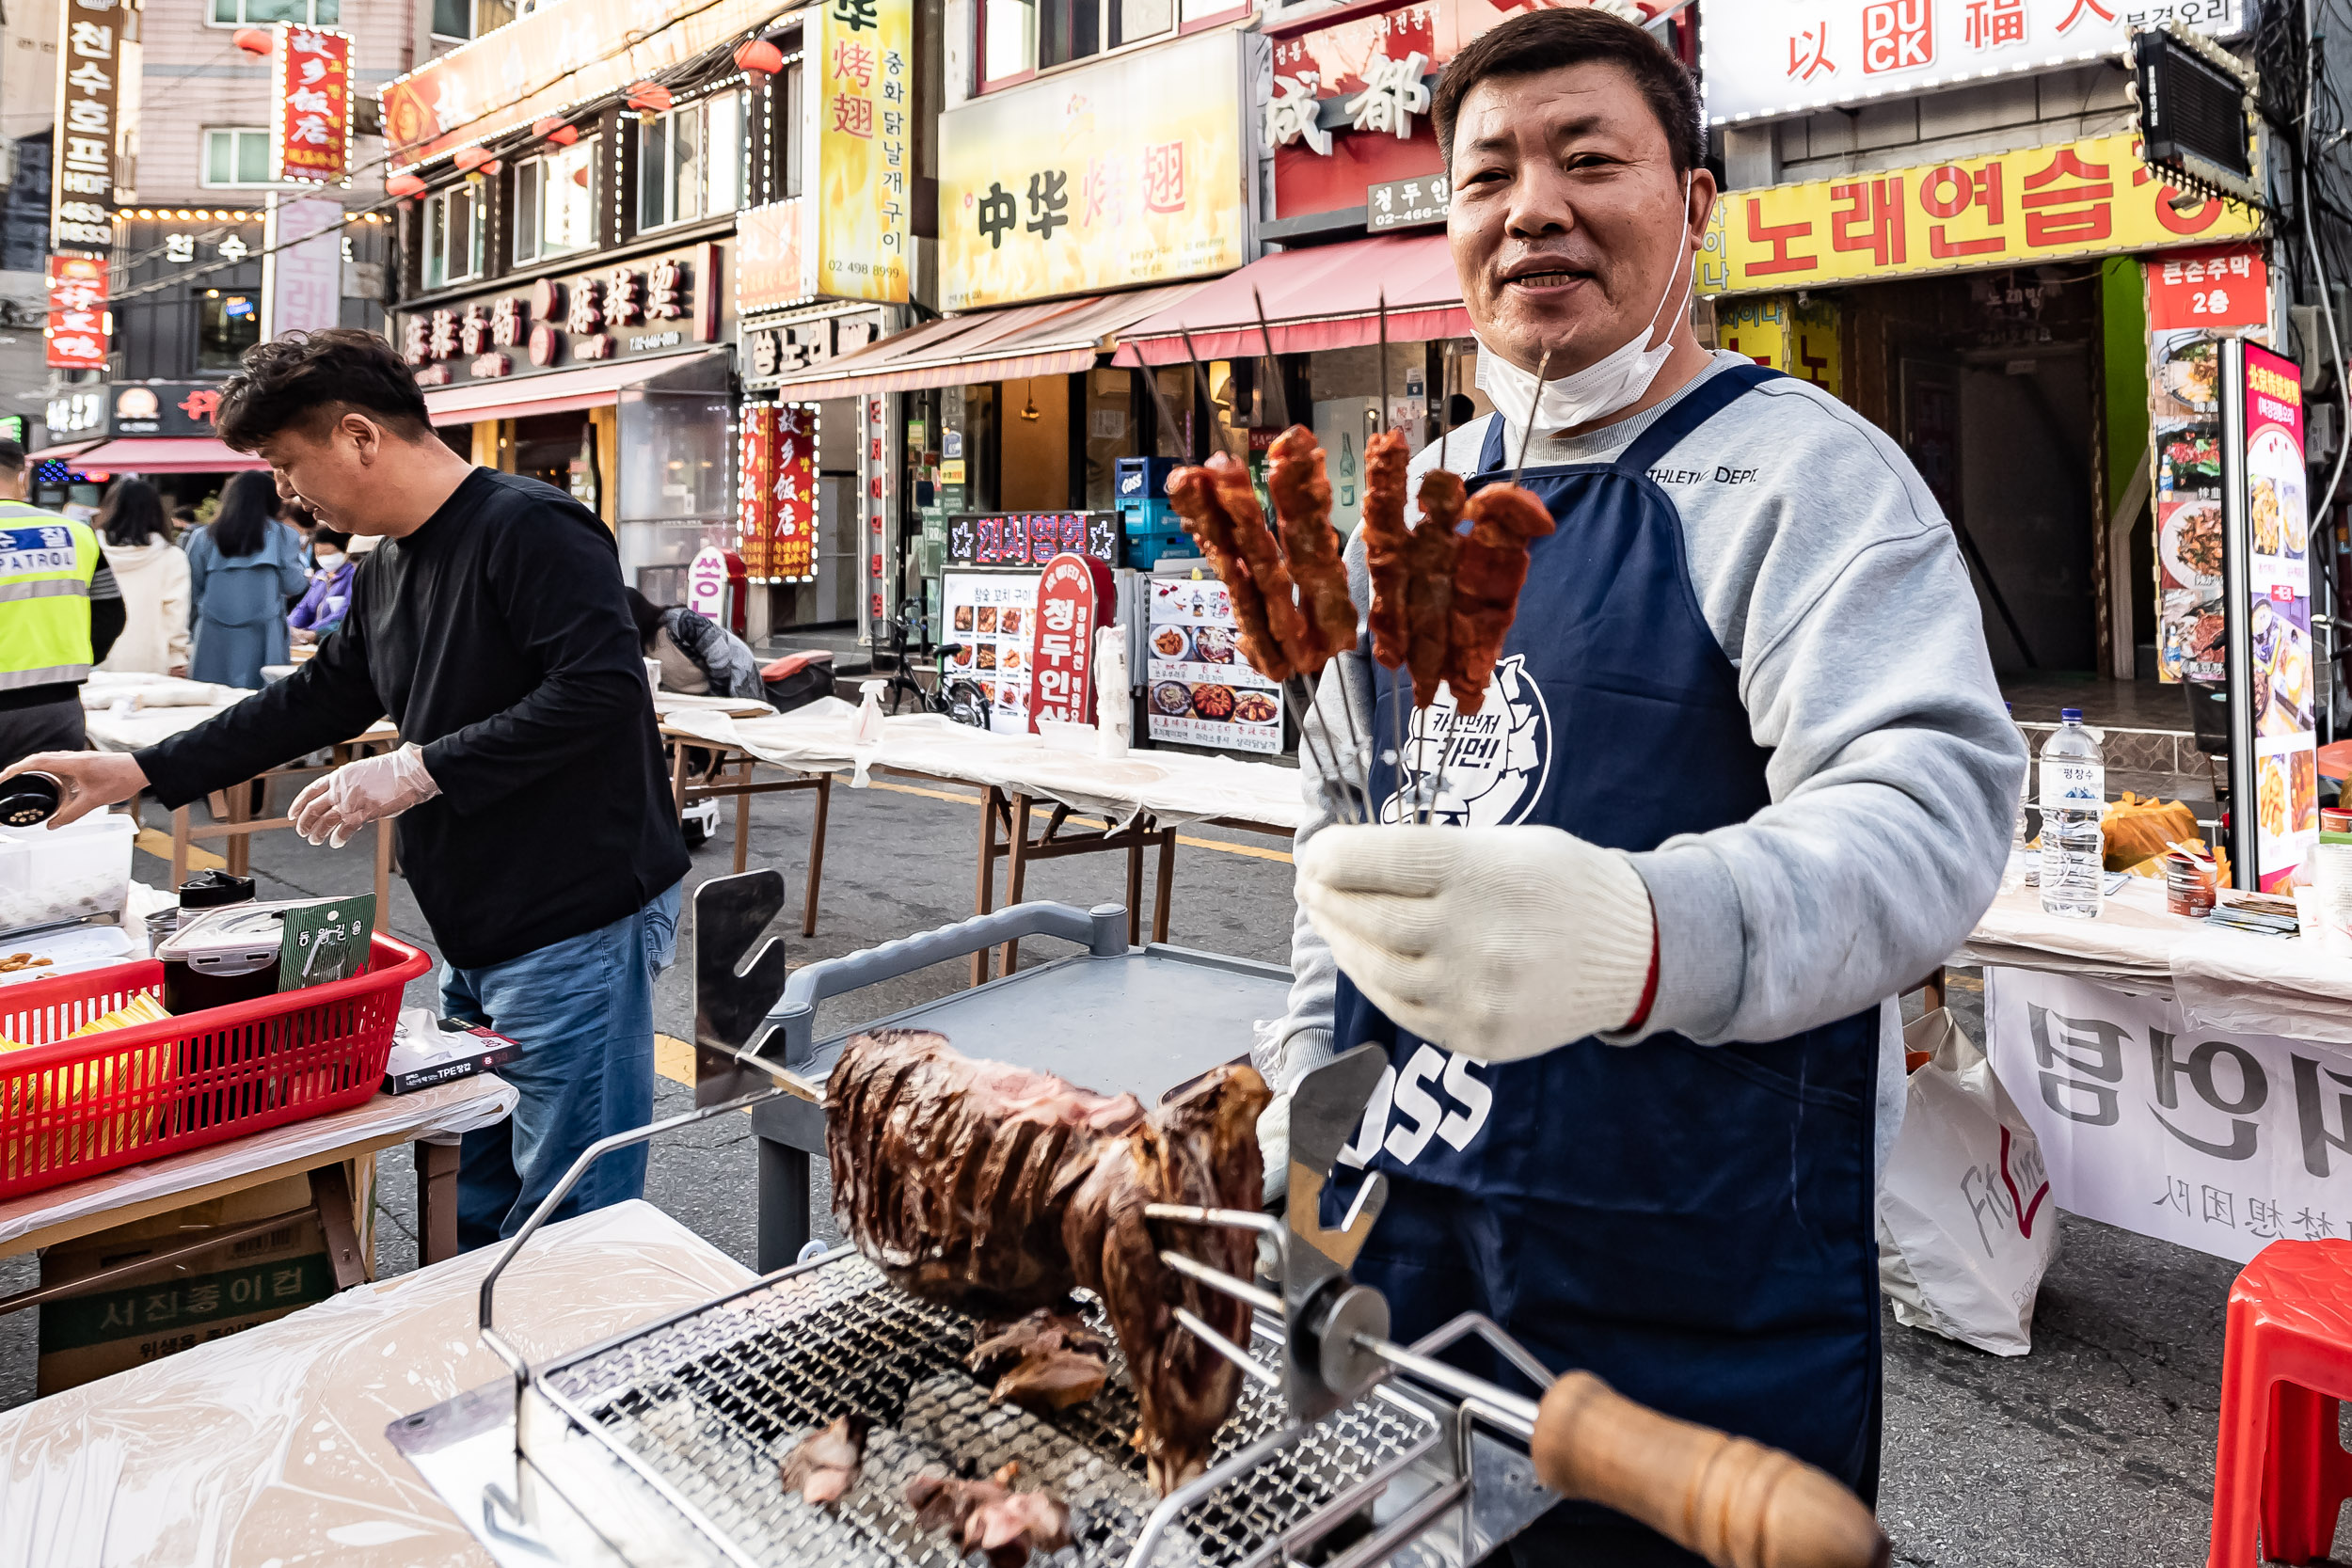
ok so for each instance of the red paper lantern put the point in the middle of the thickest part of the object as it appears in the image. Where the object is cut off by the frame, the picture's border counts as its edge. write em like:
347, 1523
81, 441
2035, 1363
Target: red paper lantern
650, 96
758, 55
404, 185
470, 157
556, 128
253, 40
492, 166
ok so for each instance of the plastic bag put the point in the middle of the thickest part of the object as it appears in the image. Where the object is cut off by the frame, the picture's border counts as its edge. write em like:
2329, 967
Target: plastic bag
1967, 1227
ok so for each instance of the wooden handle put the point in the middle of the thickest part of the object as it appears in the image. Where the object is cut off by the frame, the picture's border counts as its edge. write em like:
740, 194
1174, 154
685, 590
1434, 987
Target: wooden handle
1733, 1501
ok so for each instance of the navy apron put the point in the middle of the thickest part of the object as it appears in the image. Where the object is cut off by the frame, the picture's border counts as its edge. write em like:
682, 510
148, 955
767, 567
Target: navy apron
1692, 1223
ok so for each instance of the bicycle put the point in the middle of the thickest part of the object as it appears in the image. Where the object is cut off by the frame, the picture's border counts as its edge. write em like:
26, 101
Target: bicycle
960, 699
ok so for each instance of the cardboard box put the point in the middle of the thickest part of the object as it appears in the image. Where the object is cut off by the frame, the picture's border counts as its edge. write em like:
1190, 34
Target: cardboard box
142, 1316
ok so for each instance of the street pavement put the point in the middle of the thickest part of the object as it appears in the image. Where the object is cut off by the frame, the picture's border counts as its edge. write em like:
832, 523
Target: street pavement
2096, 1447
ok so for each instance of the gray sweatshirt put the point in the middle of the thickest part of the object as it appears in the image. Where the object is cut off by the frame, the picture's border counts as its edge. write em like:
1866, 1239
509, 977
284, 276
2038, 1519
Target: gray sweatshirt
1829, 575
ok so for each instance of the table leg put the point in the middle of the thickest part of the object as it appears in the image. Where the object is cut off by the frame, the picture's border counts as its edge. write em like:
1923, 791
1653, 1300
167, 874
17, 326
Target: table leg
331, 1193
436, 1202
678, 775
382, 873
742, 820
240, 845
817, 854
983, 900
783, 1204
1161, 894
179, 848
1932, 989
1134, 886
1017, 872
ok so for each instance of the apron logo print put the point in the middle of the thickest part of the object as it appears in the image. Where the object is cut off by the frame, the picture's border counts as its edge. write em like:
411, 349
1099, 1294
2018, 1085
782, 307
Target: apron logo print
1409, 1095
1496, 771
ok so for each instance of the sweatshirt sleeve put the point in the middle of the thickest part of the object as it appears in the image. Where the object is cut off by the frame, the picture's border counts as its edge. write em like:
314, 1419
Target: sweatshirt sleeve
1895, 770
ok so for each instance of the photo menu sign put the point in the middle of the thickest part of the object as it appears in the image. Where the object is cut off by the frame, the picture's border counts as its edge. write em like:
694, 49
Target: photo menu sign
2275, 721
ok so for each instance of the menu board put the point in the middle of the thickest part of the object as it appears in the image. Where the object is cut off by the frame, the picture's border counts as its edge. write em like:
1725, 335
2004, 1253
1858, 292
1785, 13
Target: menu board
2279, 610
1199, 691
989, 613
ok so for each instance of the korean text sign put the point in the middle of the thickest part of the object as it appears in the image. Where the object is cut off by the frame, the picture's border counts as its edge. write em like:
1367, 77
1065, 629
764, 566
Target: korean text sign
309, 132
1072, 592
1099, 177
1767, 57
77, 313
861, 119
91, 45
2216, 1139
2073, 199
2279, 606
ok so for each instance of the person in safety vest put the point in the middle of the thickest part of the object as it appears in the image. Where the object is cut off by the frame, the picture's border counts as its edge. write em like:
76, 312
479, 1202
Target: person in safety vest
1742, 777
59, 613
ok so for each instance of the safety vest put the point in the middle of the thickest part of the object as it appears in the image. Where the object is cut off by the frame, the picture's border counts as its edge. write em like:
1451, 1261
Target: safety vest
46, 564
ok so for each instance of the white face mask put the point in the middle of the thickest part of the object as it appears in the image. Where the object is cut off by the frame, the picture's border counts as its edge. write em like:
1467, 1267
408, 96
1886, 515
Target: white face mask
1617, 380
329, 559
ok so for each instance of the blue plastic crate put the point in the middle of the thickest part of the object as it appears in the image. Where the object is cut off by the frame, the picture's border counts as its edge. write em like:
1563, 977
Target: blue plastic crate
1148, 548
1143, 478
1147, 516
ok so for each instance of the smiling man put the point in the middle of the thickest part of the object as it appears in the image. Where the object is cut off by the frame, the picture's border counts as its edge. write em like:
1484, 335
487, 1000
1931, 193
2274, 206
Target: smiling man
536, 828
1743, 776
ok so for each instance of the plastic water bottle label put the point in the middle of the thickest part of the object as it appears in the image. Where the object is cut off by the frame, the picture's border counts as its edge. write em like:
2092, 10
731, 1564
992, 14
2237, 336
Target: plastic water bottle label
2073, 783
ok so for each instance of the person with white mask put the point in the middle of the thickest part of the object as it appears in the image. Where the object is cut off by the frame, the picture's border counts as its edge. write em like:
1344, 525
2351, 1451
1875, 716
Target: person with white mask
1743, 776
323, 605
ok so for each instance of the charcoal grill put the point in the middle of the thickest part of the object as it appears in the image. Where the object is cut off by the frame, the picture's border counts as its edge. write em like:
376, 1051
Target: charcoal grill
663, 1446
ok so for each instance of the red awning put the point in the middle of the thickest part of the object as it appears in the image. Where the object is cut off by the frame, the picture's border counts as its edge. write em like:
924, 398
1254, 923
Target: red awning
1319, 297
165, 454
62, 449
555, 393
1056, 337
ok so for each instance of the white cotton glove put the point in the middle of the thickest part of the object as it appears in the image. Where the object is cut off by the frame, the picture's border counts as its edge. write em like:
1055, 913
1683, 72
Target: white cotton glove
1498, 943
333, 808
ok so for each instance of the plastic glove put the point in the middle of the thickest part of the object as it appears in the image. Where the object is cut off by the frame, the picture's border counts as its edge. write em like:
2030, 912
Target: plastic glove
333, 808
1498, 943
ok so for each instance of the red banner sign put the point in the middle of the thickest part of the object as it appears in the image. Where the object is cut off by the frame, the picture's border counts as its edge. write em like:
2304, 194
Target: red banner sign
309, 134
2223, 286
1071, 594
777, 481
77, 313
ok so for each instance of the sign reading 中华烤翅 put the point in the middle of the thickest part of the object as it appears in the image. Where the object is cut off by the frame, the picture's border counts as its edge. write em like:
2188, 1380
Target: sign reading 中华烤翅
309, 132
1762, 58
91, 38
2216, 1139
2092, 198
858, 122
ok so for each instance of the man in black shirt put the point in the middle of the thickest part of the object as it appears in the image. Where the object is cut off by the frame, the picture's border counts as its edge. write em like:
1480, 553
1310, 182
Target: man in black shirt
536, 828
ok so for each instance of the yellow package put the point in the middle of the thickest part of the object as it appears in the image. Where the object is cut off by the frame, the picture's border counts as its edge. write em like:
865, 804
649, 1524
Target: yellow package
143, 1009
34, 1100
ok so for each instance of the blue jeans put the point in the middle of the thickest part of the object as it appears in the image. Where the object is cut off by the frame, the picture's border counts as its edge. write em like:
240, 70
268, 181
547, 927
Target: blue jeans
583, 1011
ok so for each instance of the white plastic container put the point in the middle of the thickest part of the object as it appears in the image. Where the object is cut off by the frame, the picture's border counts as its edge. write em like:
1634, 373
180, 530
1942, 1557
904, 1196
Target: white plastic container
53, 874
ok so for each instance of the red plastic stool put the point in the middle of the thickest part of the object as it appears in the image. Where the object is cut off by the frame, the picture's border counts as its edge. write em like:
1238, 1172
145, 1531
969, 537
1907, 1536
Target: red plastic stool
2287, 1363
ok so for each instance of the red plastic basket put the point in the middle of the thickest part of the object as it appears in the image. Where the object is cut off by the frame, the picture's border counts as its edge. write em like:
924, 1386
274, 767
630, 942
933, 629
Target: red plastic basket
71, 1108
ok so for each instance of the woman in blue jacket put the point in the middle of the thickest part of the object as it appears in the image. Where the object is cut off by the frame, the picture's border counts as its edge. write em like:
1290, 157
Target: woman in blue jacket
243, 571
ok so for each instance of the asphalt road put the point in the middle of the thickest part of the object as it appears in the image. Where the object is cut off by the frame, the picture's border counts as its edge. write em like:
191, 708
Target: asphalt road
2097, 1447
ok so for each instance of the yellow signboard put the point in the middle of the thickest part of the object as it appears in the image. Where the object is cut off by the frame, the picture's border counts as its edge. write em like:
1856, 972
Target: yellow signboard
1130, 172
2012, 208
1775, 330
860, 122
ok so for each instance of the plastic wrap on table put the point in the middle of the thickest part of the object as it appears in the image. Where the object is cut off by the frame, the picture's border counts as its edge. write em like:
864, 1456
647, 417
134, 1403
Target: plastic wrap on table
1175, 787
269, 1446
2130, 945
2263, 985
443, 1111
107, 689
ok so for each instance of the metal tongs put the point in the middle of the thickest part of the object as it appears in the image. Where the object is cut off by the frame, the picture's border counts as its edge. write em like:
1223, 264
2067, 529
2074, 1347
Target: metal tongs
1733, 1501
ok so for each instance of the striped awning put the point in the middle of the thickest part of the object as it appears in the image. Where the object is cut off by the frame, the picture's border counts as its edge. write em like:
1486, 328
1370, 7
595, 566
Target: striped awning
1316, 297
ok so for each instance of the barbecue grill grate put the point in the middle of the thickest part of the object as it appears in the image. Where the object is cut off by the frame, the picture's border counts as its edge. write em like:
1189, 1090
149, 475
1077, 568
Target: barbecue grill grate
711, 1403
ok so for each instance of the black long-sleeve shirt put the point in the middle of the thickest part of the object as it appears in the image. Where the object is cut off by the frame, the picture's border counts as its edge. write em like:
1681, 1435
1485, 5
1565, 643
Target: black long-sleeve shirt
497, 638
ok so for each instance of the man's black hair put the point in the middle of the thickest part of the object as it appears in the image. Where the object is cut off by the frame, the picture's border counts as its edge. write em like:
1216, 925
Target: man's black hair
11, 456
307, 380
1546, 41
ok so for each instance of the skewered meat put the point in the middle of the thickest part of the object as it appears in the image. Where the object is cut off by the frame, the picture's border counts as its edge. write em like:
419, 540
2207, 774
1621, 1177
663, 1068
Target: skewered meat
1048, 1360
1195, 498
824, 1464
1429, 582
988, 1517
1387, 548
1489, 569
1300, 641
1302, 504
998, 1191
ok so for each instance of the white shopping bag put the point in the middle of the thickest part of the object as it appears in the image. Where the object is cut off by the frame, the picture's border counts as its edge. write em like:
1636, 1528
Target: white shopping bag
1966, 1226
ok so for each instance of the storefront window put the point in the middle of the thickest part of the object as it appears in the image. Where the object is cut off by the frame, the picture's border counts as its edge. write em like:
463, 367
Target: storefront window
238, 156
691, 161
1110, 434
1018, 37
228, 322
674, 456
1034, 420
452, 236
555, 204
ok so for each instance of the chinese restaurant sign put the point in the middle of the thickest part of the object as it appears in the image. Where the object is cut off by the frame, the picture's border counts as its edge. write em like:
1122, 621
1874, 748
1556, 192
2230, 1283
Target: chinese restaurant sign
1774, 330
2279, 606
859, 120
91, 48
778, 486
2216, 1139
1761, 58
77, 313
562, 54
772, 259
2195, 297
309, 131
2040, 204
1095, 178
1072, 592
1026, 538
650, 305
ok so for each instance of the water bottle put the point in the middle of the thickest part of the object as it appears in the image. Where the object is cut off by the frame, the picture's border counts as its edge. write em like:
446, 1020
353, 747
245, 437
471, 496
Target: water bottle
2074, 788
